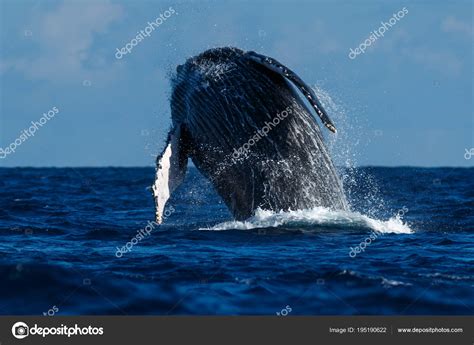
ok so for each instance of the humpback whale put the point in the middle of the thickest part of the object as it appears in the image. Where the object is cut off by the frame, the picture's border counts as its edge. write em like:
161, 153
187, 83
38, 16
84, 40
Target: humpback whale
248, 124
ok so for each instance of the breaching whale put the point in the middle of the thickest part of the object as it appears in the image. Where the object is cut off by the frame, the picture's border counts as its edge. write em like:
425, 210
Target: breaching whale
241, 119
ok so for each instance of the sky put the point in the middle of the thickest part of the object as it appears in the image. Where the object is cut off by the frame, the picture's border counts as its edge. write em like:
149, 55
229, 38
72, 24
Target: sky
407, 100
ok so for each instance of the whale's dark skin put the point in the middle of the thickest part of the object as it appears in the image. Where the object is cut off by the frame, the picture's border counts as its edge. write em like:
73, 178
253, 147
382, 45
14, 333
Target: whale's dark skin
221, 99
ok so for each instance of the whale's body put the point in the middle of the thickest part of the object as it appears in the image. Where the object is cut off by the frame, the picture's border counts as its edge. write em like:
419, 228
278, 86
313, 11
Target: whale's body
239, 117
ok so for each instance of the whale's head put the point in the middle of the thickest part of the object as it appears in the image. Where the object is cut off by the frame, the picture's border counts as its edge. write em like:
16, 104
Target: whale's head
218, 70
209, 63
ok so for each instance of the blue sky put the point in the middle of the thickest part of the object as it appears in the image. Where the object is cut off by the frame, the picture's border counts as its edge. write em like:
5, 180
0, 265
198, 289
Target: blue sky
408, 100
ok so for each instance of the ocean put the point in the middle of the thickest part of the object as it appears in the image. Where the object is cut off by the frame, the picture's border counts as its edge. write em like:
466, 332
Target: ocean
82, 241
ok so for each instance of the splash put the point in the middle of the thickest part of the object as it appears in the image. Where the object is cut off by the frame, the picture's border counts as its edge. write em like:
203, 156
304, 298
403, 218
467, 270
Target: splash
360, 187
314, 219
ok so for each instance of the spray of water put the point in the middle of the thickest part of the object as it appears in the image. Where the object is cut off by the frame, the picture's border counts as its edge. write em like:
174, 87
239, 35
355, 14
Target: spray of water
360, 187
320, 217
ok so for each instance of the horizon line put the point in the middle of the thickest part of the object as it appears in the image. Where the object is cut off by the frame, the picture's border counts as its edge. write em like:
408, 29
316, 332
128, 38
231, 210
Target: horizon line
193, 166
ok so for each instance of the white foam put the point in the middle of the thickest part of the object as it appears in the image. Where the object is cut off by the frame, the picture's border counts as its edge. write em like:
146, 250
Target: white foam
318, 216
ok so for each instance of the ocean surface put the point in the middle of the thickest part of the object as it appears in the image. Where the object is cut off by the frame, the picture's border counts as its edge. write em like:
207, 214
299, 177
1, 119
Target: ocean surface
75, 241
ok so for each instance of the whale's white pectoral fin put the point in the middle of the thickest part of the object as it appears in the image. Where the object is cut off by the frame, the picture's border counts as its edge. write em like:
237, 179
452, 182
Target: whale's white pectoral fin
281, 69
170, 170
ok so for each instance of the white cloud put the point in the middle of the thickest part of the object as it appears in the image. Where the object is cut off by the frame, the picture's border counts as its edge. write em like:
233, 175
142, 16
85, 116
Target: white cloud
64, 38
405, 45
451, 24
440, 61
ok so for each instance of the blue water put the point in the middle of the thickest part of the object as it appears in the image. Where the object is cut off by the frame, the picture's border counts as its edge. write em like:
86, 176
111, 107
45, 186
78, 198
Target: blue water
60, 229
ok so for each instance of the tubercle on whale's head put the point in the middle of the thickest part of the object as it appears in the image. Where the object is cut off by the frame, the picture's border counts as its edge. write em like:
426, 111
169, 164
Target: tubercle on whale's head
208, 60
217, 55
200, 71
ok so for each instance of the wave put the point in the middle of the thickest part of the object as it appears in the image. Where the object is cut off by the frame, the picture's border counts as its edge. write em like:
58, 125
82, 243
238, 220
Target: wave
320, 217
